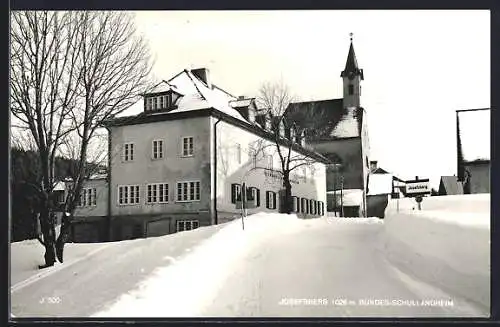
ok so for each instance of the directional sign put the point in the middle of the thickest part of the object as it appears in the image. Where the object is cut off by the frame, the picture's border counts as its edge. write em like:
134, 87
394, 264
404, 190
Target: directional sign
417, 187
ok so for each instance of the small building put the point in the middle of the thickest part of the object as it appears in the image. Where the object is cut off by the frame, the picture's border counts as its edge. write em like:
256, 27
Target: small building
380, 189
477, 176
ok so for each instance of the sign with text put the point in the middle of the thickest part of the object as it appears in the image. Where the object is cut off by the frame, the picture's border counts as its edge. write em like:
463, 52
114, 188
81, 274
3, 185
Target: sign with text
418, 187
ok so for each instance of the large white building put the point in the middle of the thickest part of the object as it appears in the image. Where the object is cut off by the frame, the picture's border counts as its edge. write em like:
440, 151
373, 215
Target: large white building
181, 164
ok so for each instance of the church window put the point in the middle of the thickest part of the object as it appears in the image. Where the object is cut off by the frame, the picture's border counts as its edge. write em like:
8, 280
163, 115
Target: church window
351, 89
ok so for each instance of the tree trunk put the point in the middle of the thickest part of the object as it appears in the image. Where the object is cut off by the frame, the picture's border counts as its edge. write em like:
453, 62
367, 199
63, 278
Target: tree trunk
63, 235
287, 198
48, 231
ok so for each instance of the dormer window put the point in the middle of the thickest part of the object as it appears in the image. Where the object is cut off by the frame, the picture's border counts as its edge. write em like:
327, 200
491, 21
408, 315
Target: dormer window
158, 102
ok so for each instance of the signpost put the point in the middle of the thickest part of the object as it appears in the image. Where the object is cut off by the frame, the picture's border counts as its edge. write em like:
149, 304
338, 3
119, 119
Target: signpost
418, 188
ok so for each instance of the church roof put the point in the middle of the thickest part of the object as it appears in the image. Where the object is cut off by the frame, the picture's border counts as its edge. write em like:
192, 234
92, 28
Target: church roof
326, 119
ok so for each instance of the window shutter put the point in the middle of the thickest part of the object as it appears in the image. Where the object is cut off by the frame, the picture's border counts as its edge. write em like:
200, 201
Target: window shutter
258, 198
274, 200
268, 205
233, 193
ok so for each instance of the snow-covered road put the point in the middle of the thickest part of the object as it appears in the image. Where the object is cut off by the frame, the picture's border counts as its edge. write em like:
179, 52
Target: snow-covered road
329, 269
407, 265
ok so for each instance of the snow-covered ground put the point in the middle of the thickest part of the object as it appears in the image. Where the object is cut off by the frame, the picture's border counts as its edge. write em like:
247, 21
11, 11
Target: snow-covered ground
25, 257
447, 241
436, 245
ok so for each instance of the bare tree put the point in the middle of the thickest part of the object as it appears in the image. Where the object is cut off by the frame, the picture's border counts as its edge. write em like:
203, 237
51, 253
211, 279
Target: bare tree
274, 100
115, 66
71, 71
43, 78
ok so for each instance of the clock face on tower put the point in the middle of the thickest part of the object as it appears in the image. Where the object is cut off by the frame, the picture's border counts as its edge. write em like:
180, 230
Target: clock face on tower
350, 75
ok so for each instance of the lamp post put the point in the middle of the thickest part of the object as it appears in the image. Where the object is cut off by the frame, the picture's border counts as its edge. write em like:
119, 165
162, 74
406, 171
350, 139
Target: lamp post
335, 167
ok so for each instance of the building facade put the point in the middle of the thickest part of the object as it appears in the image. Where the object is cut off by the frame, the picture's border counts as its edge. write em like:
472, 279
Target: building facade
182, 163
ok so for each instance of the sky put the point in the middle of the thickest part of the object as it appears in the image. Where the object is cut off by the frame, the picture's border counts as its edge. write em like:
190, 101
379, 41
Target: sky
419, 68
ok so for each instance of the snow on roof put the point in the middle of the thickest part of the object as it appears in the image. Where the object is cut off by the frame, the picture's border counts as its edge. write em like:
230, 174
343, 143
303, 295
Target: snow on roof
59, 186
197, 95
475, 134
379, 184
240, 103
164, 86
348, 126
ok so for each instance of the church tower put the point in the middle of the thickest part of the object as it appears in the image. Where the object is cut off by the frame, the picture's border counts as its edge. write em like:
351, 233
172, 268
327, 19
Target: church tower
352, 77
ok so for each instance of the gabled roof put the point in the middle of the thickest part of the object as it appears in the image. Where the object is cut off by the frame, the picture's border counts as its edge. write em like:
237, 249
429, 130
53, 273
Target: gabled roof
199, 100
449, 185
326, 119
380, 171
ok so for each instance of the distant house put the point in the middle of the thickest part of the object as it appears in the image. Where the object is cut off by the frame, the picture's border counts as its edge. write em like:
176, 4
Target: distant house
450, 185
477, 176
473, 150
380, 189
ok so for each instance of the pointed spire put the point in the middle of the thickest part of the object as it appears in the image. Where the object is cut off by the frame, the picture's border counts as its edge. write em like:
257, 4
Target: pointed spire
351, 65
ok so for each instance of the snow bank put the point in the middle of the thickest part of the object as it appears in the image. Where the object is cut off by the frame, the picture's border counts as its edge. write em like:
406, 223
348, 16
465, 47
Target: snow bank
180, 289
25, 257
447, 243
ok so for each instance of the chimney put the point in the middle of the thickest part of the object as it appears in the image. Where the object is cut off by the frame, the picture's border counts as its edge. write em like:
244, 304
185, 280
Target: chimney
373, 165
204, 75
241, 97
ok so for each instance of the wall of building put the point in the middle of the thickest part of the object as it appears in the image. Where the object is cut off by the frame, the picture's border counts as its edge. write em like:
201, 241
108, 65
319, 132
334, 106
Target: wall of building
365, 152
153, 219
350, 152
101, 207
233, 167
479, 177
172, 168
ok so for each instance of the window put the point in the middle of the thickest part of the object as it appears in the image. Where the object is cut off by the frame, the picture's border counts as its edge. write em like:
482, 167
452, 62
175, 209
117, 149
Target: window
312, 205
235, 193
238, 153
253, 196
270, 162
296, 204
270, 200
157, 193
351, 89
158, 102
303, 205
157, 149
321, 208
187, 146
183, 225
149, 103
128, 151
188, 191
88, 197
252, 155
128, 194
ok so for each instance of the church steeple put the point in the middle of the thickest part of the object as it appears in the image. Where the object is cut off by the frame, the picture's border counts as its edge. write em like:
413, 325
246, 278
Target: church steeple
352, 76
